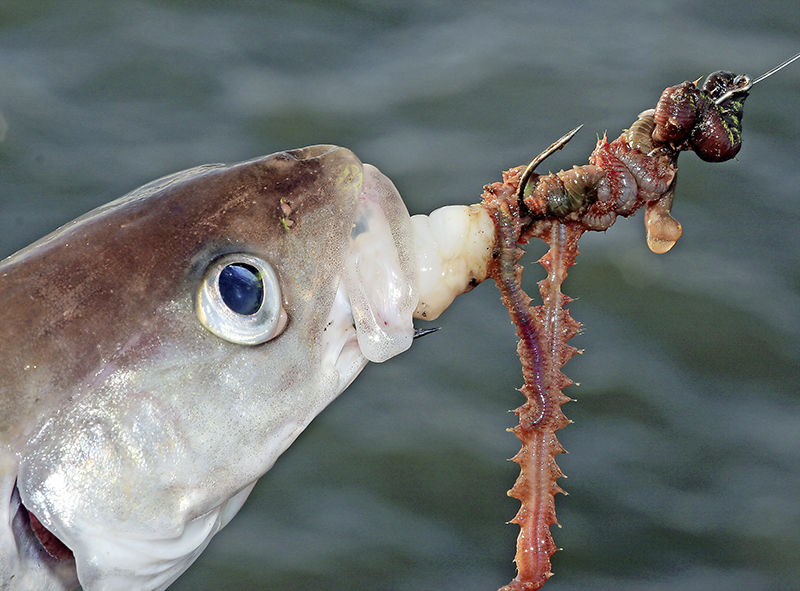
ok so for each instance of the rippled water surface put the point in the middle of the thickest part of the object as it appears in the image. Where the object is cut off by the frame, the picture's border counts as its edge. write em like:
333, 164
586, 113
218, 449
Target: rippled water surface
684, 463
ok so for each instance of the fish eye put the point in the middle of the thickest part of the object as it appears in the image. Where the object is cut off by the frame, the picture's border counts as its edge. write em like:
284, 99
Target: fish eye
239, 300
241, 288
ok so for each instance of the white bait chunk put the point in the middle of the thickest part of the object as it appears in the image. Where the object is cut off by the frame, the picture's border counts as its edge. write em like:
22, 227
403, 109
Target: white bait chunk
454, 245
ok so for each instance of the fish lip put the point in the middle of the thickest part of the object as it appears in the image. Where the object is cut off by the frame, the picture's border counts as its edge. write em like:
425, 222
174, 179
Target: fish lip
379, 269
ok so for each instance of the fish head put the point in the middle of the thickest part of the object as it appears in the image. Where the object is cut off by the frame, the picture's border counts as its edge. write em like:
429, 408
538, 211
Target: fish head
160, 353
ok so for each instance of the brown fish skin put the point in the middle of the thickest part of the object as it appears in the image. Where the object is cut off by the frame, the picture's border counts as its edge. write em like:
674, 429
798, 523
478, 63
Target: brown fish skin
120, 414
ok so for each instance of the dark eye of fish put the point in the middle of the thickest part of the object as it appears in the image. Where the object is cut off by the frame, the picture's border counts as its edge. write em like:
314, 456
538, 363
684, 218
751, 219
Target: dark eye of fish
239, 299
241, 288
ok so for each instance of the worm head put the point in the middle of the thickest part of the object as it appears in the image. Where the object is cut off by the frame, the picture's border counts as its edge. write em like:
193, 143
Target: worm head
717, 135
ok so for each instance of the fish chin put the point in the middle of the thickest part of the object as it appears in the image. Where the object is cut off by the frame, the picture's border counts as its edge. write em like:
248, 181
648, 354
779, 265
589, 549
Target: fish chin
150, 564
106, 561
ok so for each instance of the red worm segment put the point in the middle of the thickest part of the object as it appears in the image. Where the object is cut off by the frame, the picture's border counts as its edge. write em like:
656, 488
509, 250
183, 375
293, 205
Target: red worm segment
543, 332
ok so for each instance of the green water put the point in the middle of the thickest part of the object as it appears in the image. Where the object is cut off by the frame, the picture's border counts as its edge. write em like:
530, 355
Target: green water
684, 463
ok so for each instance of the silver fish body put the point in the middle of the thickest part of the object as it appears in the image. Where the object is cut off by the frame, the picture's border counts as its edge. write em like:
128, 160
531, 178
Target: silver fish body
130, 430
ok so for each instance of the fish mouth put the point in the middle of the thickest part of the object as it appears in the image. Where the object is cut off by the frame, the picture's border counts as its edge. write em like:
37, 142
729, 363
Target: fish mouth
38, 547
379, 273
28, 524
47, 539
371, 314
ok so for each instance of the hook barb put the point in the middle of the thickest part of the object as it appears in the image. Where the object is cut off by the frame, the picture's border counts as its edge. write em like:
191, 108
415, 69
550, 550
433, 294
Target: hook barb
554, 147
421, 332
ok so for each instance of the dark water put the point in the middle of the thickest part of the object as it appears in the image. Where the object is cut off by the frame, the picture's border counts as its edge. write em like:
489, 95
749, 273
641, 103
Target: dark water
684, 463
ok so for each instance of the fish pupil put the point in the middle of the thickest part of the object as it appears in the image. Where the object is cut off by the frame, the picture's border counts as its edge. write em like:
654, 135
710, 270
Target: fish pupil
241, 288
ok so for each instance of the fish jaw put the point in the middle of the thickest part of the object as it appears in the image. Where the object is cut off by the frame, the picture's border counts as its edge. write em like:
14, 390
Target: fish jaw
134, 443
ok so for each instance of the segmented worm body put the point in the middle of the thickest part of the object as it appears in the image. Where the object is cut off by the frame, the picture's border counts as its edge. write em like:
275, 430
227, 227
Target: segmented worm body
688, 118
638, 168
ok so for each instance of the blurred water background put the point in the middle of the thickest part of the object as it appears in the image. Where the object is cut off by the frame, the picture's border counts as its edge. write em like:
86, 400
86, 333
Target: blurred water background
684, 463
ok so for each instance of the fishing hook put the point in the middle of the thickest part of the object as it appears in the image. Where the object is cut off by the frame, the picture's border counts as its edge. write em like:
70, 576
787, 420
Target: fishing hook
554, 147
747, 83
